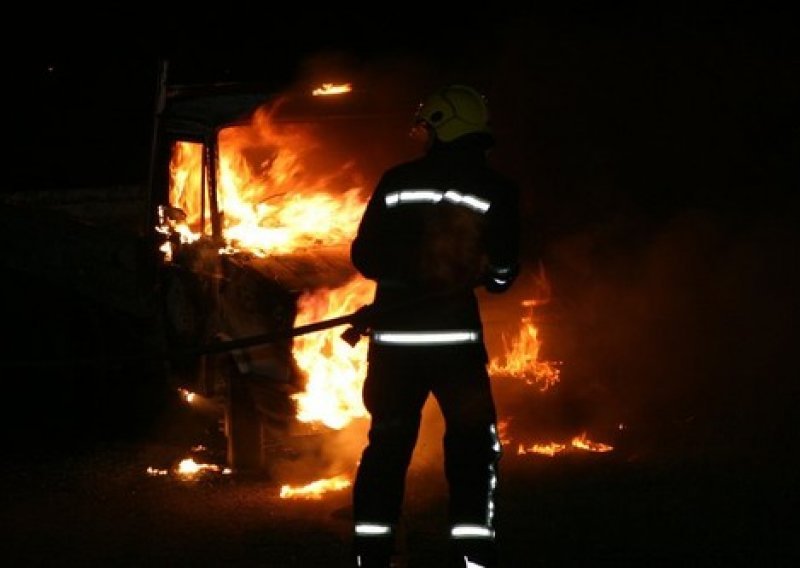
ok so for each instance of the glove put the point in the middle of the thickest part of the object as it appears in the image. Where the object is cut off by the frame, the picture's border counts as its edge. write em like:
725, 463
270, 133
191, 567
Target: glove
498, 279
362, 322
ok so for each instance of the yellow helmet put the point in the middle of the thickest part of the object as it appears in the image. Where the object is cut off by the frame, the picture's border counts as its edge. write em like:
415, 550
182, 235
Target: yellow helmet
454, 111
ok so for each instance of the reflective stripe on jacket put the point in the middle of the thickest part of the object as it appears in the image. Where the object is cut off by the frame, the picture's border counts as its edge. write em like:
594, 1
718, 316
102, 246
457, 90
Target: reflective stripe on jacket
446, 221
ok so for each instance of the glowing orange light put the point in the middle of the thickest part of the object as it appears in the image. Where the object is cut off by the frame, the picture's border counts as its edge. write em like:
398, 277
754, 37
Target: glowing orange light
550, 449
316, 489
580, 442
334, 369
328, 89
187, 395
521, 355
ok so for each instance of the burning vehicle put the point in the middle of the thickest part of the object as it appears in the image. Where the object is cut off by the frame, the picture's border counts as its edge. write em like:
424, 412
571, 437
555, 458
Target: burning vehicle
256, 198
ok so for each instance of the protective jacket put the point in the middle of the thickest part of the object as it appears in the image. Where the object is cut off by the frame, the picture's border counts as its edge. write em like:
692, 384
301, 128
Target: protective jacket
435, 228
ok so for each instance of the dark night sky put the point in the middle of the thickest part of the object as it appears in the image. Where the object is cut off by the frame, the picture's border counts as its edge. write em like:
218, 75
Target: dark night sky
681, 94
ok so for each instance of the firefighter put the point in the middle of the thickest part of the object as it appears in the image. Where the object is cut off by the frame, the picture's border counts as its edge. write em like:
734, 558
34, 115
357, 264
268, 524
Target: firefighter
434, 230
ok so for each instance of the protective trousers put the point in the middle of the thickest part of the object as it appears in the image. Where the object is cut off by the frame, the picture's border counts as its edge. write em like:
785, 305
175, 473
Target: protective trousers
398, 382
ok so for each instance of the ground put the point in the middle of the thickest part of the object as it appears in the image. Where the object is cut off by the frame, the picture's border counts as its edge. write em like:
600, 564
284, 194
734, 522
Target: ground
102, 508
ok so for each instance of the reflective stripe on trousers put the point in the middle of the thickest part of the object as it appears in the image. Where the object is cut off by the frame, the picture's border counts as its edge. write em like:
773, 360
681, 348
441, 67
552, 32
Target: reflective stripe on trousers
460, 531
373, 529
446, 337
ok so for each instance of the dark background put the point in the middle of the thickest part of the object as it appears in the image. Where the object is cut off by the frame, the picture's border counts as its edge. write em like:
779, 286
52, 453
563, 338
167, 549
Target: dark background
658, 156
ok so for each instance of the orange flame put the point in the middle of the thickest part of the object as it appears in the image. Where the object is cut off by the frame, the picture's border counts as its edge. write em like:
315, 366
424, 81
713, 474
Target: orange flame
334, 370
520, 359
502, 431
549, 449
270, 199
580, 442
328, 89
188, 468
315, 489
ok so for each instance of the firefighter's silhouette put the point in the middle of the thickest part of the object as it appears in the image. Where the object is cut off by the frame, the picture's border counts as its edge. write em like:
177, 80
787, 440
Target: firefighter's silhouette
434, 229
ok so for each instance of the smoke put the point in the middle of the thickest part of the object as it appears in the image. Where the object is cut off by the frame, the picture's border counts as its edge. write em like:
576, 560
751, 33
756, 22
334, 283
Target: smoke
318, 452
371, 125
659, 189
680, 330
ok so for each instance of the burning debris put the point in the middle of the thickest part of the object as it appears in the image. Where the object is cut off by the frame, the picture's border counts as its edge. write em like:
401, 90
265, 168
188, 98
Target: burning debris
188, 469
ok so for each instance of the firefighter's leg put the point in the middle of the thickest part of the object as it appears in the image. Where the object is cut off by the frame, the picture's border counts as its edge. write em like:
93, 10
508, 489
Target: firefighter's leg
395, 406
472, 452
471, 469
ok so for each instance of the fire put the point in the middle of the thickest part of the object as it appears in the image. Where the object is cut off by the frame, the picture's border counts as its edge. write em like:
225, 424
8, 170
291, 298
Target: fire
334, 370
520, 359
502, 431
188, 468
270, 199
580, 442
315, 489
328, 89
549, 449
187, 395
